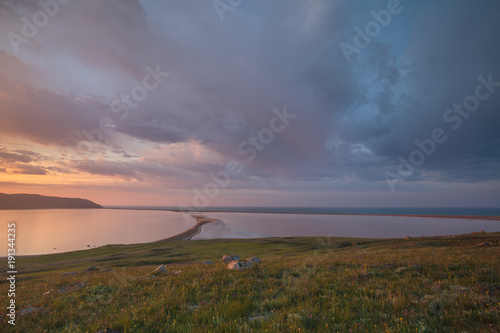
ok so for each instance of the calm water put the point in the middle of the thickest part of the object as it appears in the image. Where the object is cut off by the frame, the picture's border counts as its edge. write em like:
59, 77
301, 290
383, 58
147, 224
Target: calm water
243, 225
61, 230
41, 231
351, 210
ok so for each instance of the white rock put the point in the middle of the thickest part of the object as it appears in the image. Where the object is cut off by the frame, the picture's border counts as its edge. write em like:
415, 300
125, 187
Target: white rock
239, 265
161, 268
235, 264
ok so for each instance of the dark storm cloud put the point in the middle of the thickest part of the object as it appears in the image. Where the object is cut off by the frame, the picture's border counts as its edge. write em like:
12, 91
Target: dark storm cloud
451, 46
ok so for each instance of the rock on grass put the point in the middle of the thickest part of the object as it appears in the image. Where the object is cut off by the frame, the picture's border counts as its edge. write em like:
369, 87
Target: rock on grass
91, 269
228, 257
29, 309
161, 268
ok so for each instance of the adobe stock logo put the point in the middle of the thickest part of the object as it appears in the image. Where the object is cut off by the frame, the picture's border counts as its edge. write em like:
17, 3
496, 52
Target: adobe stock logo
40, 19
249, 149
223, 6
362, 38
120, 108
453, 116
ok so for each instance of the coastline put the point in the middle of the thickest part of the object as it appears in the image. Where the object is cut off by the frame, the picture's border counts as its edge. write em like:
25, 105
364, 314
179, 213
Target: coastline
239, 232
201, 220
185, 235
191, 232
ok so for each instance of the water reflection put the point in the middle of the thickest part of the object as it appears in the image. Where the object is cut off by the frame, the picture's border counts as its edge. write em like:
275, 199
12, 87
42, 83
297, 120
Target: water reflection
41, 231
245, 225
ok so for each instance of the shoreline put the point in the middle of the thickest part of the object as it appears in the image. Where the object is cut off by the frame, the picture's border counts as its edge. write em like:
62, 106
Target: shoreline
191, 232
202, 220
464, 217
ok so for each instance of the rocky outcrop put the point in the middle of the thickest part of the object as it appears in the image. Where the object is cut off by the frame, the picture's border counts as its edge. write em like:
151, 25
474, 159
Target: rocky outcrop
161, 268
242, 264
91, 269
239, 265
228, 257
254, 260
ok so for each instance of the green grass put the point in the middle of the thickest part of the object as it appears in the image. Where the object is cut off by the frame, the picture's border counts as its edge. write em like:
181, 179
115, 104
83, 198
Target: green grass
433, 284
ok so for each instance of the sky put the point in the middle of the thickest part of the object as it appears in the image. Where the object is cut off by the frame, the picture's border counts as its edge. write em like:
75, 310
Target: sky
252, 103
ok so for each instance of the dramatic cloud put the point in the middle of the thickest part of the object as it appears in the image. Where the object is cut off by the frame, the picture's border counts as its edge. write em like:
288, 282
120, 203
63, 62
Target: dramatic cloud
14, 157
30, 170
166, 93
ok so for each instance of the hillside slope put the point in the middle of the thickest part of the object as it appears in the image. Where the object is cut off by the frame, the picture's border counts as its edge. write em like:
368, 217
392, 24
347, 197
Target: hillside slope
35, 201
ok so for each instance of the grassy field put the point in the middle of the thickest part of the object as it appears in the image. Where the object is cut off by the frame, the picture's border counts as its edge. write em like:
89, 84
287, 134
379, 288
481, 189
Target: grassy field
432, 284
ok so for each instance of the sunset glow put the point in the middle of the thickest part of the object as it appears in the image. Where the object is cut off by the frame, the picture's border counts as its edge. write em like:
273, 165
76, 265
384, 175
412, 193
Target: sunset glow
145, 102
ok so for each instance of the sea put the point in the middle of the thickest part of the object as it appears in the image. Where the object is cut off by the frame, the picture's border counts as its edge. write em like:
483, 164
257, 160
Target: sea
474, 211
45, 231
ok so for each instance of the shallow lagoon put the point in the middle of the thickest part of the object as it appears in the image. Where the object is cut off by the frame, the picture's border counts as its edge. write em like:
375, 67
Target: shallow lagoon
248, 225
61, 230
41, 231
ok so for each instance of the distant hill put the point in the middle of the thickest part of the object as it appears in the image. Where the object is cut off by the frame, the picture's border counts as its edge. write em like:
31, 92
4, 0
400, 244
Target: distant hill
35, 201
